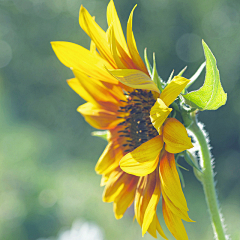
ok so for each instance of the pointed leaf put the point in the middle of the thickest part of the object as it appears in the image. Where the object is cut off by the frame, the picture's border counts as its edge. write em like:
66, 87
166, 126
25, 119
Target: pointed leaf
170, 77
182, 71
181, 176
101, 134
211, 95
148, 65
155, 76
189, 160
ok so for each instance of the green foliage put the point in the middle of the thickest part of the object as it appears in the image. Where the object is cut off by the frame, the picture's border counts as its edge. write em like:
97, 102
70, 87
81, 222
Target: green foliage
211, 95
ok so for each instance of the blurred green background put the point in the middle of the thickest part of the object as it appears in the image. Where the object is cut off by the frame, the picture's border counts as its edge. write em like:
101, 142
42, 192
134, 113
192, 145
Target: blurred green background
47, 153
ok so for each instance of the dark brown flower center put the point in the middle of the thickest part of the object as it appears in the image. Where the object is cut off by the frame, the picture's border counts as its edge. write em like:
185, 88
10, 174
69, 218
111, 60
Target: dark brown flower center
138, 125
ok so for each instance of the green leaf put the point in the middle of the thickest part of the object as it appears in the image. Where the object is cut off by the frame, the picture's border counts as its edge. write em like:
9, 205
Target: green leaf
101, 134
211, 95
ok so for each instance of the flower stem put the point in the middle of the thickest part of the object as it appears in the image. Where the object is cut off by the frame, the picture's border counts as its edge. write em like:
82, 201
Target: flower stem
208, 180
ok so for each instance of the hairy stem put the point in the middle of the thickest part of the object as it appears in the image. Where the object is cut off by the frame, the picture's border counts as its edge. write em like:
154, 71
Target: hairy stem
208, 180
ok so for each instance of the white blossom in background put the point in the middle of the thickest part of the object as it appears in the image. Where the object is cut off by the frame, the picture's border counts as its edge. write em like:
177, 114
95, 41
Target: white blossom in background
80, 230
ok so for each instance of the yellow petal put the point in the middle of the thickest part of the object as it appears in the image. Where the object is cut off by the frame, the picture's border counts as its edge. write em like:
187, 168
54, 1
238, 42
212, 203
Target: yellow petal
158, 114
125, 198
175, 136
150, 211
114, 49
144, 191
125, 58
92, 90
97, 117
114, 185
156, 225
117, 182
133, 47
109, 159
144, 159
77, 57
152, 228
181, 213
159, 229
170, 181
173, 89
96, 33
135, 79
113, 19
146, 200
93, 48
138, 200
104, 179
174, 223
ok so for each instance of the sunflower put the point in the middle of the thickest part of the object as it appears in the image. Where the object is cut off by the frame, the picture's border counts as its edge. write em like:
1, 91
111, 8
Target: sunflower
138, 163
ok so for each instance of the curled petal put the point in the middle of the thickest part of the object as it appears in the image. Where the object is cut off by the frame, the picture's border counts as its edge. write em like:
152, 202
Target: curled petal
158, 114
133, 47
96, 33
112, 18
144, 159
175, 136
173, 89
135, 79
113, 46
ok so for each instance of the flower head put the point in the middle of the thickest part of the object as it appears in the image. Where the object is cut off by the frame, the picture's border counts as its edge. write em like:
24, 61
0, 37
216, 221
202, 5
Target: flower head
138, 163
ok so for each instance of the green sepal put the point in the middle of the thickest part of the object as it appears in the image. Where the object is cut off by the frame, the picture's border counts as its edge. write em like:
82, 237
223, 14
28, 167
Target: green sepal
157, 80
148, 65
211, 95
189, 160
101, 134
180, 176
170, 77
182, 71
187, 120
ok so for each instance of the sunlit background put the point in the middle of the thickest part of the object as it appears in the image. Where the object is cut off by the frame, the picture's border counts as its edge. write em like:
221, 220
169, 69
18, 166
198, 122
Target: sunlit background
48, 187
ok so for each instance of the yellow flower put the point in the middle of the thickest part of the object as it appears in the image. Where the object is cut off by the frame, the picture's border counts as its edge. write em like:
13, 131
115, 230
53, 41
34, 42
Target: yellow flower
122, 98
155, 159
